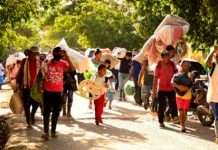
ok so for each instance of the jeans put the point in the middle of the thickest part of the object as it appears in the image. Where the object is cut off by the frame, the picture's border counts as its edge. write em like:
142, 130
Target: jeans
162, 103
123, 78
116, 72
137, 94
214, 107
52, 103
67, 95
146, 93
26, 104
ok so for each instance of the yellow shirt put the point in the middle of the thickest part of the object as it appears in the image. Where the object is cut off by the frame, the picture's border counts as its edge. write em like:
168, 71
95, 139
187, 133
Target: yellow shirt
187, 96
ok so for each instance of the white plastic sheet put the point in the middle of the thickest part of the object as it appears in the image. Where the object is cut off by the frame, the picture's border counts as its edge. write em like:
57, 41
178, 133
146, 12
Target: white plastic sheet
80, 62
119, 52
12, 59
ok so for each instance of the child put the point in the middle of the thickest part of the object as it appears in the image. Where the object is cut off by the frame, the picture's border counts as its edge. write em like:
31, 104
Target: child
99, 77
110, 92
183, 93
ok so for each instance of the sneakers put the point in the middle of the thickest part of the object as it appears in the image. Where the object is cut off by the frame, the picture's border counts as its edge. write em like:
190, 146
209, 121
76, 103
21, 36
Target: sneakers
167, 117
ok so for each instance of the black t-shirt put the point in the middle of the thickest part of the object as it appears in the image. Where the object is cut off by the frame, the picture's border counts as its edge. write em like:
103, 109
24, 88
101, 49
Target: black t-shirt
125, 65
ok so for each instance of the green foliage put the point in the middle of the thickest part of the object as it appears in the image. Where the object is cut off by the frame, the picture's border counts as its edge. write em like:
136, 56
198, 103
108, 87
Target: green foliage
201, 14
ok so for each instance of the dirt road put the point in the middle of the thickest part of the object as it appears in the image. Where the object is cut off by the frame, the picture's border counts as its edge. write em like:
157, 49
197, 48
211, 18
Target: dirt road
126, 127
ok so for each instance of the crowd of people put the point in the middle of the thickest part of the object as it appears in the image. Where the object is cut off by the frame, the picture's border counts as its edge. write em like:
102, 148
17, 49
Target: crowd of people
55, 79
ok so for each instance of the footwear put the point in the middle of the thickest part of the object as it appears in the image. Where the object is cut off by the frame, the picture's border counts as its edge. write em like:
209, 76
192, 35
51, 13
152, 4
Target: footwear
33, 121
183, 130
97, 123
29, 126
69, 115
45, 136
167, 117
54, 135
145, 105
154, 113
176, 120
162, 125
69, 105
124, 99
216, 141
120, 99
109, 107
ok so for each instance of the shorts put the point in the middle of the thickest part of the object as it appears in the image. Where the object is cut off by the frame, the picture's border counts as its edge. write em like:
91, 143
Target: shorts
183, 104
110, 96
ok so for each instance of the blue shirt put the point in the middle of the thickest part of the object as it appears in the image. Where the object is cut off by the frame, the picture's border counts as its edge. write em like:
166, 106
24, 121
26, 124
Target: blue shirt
136, 69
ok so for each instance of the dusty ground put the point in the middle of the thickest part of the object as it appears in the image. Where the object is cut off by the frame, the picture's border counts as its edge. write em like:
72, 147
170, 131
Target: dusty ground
126, 126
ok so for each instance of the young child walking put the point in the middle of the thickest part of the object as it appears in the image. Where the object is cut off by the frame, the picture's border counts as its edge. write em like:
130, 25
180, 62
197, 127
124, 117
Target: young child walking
110, 92
100, 78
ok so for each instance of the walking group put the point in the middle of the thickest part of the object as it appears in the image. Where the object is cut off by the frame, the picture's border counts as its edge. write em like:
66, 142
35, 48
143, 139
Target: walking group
53, 78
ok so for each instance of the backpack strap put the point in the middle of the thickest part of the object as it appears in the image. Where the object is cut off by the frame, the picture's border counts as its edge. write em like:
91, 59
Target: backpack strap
212, 69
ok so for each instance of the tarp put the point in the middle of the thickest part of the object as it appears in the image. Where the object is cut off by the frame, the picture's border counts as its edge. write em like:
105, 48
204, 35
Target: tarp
79, 61
119, 52
12, 59
114, 61
169, 32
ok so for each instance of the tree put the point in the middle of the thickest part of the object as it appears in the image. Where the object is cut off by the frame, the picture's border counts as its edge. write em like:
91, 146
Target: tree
201, 14
94, 24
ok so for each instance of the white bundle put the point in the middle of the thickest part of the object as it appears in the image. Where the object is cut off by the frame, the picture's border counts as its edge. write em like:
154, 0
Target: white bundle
169, 32
119, 52
79, 61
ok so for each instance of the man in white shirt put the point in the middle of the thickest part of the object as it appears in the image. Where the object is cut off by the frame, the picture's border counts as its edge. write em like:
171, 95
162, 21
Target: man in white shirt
212, 94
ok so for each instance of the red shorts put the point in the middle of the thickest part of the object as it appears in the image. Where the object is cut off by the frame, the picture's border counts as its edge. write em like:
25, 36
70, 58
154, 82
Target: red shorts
182, 104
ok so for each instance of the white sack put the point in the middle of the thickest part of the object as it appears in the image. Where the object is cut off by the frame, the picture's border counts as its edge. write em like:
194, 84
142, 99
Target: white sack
119, 52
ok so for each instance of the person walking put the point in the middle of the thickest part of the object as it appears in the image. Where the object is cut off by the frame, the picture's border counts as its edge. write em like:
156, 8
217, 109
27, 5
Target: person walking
162, 87
147, 85
212, 94
134, 71
96, 61
69, 87
52, 88
100, 78
183, 92
124, 74
25, 80
110, 92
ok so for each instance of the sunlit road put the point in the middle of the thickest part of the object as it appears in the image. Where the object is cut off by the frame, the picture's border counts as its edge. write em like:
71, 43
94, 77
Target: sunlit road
126, 127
